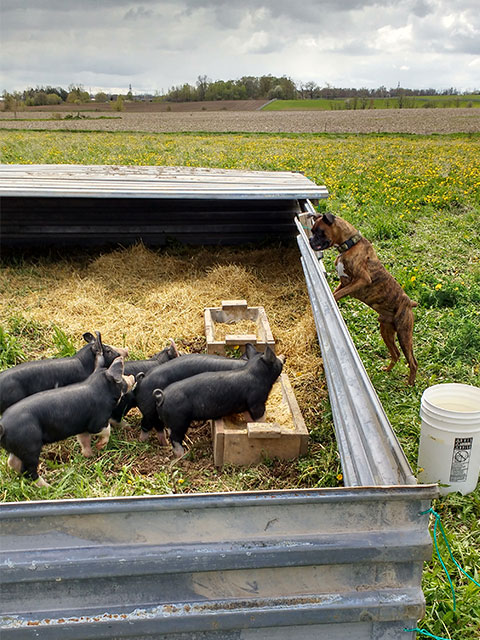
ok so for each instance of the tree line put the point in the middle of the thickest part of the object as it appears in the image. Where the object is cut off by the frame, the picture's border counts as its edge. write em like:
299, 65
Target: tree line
266, 87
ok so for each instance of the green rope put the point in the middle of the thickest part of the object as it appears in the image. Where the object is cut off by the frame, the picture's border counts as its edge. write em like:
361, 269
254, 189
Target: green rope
438, 521
426, 633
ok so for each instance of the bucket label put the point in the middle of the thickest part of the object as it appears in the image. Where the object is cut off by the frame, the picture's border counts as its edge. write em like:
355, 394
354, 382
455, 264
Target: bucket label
462, 452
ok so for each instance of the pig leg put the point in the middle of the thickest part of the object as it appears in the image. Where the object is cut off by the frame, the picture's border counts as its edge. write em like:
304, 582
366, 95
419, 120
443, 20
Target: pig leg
41, 482
124, 405
85, 443
14, 463
144, 435
30, 469
162, 438
104, 437
178, 427
178, 450
17, 465
149, 422
24, 456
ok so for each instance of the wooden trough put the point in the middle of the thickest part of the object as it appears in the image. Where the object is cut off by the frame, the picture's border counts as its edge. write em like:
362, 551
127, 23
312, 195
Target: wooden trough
239, 442
234, 312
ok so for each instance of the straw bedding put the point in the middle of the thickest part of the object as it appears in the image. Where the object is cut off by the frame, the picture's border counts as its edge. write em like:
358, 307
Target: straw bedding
138, 297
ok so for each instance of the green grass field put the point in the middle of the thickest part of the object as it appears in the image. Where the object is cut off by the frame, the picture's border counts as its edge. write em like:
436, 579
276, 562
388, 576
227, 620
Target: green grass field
406, 102
417, 198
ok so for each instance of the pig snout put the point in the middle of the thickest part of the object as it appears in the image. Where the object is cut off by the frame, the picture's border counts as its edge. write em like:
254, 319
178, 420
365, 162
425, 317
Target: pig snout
130, 382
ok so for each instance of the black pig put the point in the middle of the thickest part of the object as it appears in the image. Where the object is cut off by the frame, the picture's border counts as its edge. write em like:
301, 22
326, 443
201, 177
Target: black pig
133, 368
79, 409
212, 395
183, 367
28, 378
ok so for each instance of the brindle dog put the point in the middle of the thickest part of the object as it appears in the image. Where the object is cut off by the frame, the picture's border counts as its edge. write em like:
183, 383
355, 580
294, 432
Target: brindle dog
364, 277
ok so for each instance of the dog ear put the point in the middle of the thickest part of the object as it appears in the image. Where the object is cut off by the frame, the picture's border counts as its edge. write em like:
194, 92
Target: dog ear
328, 218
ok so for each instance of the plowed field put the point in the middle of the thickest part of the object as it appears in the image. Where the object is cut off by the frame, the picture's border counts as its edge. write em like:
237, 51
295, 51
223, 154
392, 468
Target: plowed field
421, 121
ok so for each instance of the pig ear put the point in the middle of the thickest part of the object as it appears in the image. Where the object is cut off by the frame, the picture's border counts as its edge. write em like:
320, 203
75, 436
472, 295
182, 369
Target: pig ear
328, 218
269, 355
98, 348
115, 370
172, 349
250, 350
89, 337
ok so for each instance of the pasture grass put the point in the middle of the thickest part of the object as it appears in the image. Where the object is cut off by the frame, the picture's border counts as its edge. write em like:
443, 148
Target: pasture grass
417, 198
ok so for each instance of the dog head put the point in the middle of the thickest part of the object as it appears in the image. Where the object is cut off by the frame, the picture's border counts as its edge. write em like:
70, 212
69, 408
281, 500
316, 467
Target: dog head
321, 232
330, 230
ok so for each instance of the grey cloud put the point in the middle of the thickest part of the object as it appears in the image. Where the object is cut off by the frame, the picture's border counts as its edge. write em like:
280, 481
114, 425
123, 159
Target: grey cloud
170, 42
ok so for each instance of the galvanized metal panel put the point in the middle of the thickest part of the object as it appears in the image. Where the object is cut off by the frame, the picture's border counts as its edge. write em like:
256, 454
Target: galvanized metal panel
60, 221
369, 449
272, 565
216, 566
97, 181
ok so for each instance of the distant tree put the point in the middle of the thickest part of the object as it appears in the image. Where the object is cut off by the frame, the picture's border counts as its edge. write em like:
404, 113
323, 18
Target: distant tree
101, 97
77, 95
202, 86
118, 104
276, 93
310, 89
40, 98
53, 98
12, 101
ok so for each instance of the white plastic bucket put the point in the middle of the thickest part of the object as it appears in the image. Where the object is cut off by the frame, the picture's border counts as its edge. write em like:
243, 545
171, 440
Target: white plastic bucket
449, 451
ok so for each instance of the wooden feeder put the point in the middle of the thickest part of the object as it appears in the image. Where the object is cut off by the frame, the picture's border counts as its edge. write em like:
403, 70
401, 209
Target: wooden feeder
238, 442
237, 312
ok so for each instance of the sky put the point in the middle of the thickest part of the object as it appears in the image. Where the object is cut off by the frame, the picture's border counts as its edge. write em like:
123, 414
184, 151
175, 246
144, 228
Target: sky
154, 45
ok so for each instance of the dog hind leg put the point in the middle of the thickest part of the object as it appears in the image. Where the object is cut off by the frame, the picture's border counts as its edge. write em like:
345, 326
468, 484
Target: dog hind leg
387, 331
405, 338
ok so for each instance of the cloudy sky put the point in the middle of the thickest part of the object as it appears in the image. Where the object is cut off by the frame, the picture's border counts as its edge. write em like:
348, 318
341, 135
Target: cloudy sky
156, 44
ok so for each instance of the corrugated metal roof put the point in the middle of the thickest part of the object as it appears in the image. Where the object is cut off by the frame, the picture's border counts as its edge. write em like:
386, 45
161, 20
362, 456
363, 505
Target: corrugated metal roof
109, 181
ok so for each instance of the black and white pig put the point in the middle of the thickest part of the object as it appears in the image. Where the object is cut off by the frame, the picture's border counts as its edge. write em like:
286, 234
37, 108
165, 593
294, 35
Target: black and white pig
25, 379
208, 396
183, 367
133, 368
80, 409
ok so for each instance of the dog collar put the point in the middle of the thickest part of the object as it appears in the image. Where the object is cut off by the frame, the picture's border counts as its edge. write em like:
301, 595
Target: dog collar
348, 244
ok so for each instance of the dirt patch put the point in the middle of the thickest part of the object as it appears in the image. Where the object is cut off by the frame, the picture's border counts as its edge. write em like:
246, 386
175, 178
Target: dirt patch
416, 121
